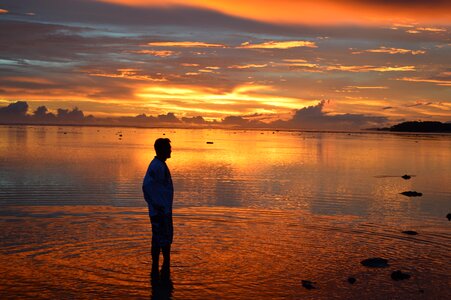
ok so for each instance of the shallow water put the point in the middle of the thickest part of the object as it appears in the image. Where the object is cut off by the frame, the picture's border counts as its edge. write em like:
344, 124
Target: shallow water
255, 213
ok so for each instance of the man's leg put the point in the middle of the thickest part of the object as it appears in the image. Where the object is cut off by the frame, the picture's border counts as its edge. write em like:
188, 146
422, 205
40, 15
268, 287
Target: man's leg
165, 269
155, 260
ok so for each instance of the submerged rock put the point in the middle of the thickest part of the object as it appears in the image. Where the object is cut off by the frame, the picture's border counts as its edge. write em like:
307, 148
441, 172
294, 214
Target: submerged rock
406, 177
398, 275
410, 232
351, 280
309, 285
375, 262
412, 194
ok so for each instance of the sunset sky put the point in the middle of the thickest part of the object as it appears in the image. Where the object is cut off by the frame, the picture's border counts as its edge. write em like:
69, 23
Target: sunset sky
380, 62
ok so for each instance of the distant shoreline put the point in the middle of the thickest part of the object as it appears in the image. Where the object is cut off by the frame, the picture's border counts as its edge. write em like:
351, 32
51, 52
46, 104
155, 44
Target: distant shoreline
418, 127
356, 131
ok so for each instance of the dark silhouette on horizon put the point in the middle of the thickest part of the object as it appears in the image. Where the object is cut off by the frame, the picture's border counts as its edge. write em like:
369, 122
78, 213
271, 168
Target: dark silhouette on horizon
308, 118
419, 126
158, 192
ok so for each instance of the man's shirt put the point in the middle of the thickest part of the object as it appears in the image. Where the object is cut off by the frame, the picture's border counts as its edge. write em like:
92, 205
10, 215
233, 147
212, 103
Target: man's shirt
158, 188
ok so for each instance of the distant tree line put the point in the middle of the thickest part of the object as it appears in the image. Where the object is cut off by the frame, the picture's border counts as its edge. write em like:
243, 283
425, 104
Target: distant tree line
419, 126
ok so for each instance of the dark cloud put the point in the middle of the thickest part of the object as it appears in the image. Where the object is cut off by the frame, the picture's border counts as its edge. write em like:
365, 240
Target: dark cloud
245, 122
138, 21
42, 114
168, 118
75, 115
194, 120
25, 41
14, 111
313, 117
17, 113
95, 12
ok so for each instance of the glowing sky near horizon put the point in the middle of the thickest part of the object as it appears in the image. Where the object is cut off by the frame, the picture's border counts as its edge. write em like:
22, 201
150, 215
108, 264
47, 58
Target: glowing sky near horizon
220, 58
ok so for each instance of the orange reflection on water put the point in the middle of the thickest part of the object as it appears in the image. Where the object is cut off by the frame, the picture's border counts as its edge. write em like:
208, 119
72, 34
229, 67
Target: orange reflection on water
78, 252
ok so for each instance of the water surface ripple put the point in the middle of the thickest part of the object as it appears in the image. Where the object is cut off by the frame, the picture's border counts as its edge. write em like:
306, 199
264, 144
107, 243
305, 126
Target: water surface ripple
255, 213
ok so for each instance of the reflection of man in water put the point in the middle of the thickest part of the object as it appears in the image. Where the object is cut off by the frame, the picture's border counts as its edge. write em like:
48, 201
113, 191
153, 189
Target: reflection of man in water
159, 192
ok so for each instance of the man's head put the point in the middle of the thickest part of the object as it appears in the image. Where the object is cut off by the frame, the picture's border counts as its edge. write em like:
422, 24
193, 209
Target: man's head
163, 148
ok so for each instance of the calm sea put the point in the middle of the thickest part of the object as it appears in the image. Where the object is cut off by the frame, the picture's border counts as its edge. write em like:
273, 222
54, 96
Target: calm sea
255, 213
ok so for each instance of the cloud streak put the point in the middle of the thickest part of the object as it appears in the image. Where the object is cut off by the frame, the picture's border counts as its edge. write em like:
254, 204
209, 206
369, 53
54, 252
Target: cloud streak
278, 45
391, 51
186, 44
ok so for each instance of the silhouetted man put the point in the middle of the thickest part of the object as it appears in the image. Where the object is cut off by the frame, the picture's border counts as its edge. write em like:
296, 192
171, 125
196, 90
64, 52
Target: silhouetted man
159, 193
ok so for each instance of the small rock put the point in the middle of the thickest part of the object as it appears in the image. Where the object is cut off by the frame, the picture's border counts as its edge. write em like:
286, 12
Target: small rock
412, 194
309, 285
410, 232
351, 280
448, 216
398, 275
375, 262
210, 143
406, 177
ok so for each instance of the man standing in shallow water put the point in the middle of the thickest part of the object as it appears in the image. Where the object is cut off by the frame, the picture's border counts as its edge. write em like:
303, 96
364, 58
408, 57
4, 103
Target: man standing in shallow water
159, 193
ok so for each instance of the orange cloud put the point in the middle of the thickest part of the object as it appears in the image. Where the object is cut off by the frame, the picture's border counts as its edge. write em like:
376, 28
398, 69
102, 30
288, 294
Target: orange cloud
159, 53
189, 65
3, 11
194, 98
434, 81
128, 74
366, 87
426, 29
248, 66
25, 79
391, 51
186, 44
278, 45
367, 68
311, 67
298, 63
431, 29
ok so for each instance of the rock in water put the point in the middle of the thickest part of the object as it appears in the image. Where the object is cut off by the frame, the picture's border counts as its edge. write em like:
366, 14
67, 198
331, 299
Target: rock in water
398, 275
448, 216
351, 280
375, 262
309, 285
412, 194
410, 232
406, 177
210, 143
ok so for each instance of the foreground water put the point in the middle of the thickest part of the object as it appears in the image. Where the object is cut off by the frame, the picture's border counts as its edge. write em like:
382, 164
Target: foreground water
255, 213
